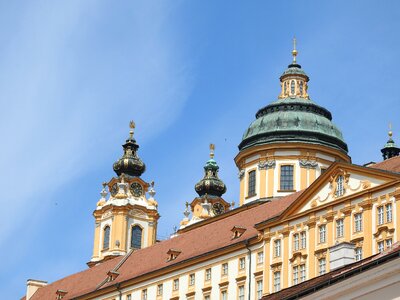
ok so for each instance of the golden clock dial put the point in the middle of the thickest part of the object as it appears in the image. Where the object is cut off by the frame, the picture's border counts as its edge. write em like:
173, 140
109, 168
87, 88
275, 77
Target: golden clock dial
114, 189
218, 208
136, 189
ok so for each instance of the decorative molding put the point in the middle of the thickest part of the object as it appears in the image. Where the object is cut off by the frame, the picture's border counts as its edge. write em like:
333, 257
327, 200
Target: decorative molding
308, 164
266, 164
241, 174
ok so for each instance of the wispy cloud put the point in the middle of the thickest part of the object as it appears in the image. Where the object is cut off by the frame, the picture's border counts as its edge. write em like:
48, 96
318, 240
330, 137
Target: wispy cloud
64, 86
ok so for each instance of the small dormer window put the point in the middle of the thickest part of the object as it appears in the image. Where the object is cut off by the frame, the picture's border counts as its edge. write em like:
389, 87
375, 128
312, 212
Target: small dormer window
292, 87
61, 294
112, 275
339, 186
173, 254
237, 231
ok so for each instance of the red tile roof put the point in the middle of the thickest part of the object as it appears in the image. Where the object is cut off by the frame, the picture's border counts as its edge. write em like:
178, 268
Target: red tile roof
317, 283
200, 240
391, 164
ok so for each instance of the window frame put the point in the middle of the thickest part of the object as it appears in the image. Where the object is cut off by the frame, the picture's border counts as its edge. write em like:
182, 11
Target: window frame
106, 233
277, 248
340, 228
251, 183
277, 281
322, 233
358, 222
380, 215
286, 183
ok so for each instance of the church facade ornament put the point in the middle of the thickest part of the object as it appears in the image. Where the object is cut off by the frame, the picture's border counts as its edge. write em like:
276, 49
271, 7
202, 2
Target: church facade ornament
308, 164
266, 164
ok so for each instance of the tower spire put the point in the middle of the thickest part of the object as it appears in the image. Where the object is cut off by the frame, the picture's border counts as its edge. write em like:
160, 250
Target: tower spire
212, 148
294, 51
132, 127
130, 163
390, 149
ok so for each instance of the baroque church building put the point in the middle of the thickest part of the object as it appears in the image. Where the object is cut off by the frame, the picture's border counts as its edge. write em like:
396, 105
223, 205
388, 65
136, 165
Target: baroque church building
304, 211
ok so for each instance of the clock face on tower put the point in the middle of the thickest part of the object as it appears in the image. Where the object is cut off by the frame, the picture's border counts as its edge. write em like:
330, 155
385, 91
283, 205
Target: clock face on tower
218, 208
136, 189
114, 189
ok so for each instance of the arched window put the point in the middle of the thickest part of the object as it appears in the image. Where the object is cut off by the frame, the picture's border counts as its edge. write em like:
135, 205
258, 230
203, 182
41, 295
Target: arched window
106, 237
301, 87
292, 87
136, 237
285, 88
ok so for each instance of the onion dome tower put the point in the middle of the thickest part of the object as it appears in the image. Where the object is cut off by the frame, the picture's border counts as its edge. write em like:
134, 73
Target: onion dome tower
390, 149
210, 184
291, 141
130, 164
126, 215
210, 190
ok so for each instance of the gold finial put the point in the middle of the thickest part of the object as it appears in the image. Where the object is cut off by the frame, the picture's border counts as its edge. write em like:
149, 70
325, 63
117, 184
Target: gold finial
212, 148
294, 52
132, 127
390, 130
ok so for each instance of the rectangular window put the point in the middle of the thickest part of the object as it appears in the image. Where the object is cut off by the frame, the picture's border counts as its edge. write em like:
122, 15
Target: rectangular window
358, 253
295, 275
303, 238
260, 257
358, 222
224, 295
192, 279
381, 246
286, 178
339, 228
322, 266
241, 292
388, 243
175, 285
208, 274
144, 294
277, 246
380, 215
322, 233
160, 289
389, 212
252, 183
259, 289
296, 242
339, 186
277, 281
242, 263
302, 273
224, 269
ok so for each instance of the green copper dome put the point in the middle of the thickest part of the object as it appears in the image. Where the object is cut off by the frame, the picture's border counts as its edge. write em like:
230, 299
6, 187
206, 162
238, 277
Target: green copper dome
293, 117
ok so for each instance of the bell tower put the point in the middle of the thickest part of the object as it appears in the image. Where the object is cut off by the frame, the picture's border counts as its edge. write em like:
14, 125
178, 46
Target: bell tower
210, 189
126, 215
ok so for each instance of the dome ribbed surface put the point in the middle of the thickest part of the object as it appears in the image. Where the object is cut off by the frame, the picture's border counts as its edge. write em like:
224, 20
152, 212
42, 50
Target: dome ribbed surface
293, 120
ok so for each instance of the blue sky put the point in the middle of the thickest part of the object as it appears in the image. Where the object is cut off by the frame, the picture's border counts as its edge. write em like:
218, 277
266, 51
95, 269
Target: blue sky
74, 73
